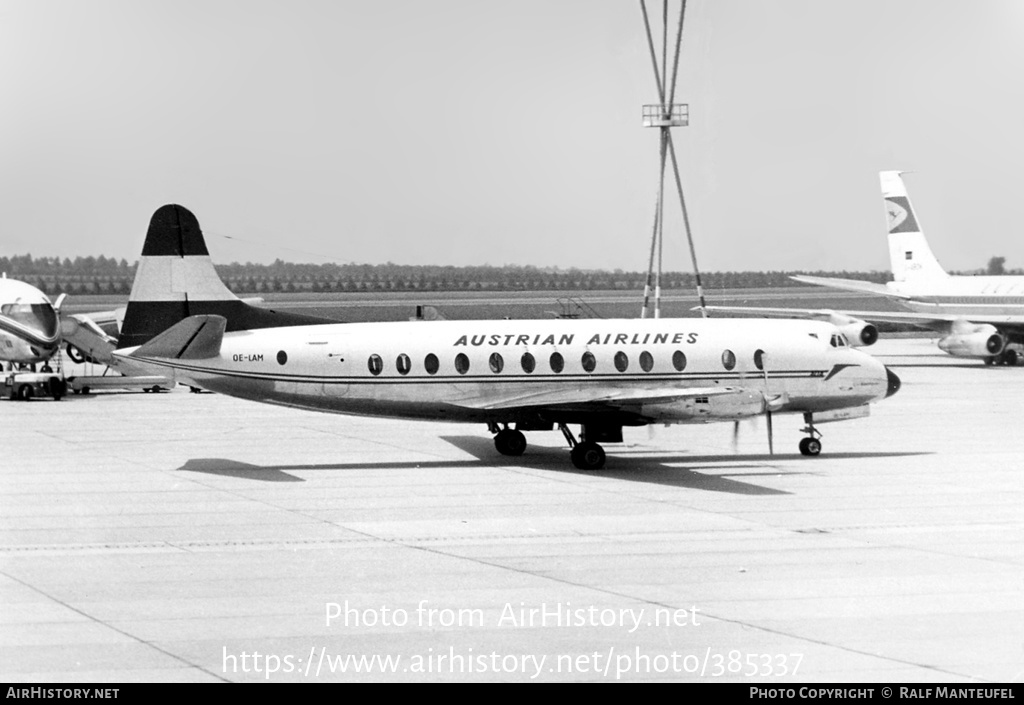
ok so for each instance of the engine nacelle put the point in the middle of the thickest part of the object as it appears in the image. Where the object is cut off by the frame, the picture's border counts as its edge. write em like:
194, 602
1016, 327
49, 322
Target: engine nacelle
739, 404
982, 340
858, 332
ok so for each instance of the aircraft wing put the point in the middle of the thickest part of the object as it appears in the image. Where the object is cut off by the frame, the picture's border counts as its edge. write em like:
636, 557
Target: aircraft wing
88, 336
577, 396
850, 285
931, 321
773, 312
939, 321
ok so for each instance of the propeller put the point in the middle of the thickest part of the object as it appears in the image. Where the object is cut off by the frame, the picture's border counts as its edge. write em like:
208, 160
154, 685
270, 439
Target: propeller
760, 356
759, 360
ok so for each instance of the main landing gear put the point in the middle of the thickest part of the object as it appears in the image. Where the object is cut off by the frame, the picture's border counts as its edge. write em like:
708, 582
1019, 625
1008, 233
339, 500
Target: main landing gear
811, 445
508, 441
585, 455
1008, 357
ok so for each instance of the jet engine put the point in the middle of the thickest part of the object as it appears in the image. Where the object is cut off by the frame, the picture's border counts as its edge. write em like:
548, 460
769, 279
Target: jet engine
858, 332
982, 340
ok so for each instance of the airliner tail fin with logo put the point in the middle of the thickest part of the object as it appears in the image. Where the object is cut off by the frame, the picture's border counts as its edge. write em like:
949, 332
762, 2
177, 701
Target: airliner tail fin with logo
911, 257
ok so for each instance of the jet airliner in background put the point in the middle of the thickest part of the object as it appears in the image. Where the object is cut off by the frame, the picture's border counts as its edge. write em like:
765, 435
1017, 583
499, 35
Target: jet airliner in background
510, 375
979, 317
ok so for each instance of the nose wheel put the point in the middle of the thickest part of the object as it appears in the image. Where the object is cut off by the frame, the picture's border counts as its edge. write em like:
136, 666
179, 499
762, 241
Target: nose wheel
811, 445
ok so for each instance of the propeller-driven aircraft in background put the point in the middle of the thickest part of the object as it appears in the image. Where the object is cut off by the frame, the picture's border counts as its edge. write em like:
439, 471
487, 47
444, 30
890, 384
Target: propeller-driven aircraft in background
29, 323
29, 335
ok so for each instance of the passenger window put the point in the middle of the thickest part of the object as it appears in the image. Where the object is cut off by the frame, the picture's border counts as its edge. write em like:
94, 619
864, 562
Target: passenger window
375, 364
679, 360
528, 363
728, 359
496, 362
404, 364
557, 362
621, 361
431, 364
461, 363
646, 361
759, 359
588, 361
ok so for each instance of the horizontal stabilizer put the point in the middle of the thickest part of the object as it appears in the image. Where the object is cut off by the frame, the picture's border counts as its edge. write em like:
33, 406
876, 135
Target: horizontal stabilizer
195, 338
849, 285
602, 395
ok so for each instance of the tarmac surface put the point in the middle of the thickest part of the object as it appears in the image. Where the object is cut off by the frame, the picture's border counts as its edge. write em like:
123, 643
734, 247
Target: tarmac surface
184, 537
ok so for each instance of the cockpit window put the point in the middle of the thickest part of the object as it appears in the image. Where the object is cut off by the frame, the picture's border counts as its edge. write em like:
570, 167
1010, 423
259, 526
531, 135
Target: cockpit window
838, 340
39, 317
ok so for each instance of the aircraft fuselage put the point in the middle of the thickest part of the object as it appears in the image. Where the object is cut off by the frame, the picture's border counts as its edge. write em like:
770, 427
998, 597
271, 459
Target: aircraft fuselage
489, 370
964, 296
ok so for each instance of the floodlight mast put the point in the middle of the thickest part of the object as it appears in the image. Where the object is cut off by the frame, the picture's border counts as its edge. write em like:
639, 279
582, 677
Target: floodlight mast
666, 115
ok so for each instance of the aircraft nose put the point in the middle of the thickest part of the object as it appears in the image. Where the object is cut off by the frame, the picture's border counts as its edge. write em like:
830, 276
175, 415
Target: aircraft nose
894, 383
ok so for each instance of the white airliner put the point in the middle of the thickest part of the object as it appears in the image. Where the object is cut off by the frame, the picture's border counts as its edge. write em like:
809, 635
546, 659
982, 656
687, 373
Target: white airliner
29, 334
979, 317
512, 375
29, 324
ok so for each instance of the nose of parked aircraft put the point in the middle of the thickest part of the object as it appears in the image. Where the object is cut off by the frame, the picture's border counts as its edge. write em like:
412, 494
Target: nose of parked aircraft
894, 383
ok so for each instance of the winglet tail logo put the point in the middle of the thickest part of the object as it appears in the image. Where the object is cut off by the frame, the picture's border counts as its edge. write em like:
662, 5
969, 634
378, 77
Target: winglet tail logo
909, 254
901, 215
897, 204
176, 279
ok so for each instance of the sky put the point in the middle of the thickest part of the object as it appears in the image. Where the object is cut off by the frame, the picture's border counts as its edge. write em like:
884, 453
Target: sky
469, 132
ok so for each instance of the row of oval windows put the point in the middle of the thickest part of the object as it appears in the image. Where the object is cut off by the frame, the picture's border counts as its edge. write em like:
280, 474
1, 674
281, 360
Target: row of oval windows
557, 363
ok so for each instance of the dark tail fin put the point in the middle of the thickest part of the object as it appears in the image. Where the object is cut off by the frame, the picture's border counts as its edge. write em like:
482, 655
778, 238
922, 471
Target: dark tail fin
176, 279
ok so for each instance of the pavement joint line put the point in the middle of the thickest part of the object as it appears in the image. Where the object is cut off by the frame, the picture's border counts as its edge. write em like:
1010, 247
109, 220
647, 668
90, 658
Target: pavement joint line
653, 603
113, 628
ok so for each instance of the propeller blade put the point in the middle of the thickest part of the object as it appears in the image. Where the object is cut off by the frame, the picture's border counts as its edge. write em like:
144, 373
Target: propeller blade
771, 437
735, 436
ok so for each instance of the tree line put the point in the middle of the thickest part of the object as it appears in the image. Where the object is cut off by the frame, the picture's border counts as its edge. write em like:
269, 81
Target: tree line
105, 275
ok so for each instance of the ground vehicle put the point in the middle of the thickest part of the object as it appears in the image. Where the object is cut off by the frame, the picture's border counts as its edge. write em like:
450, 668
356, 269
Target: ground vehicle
85, 384
25, 385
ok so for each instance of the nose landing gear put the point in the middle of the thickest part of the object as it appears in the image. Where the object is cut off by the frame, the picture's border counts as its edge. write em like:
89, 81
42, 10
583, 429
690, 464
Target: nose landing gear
811, 445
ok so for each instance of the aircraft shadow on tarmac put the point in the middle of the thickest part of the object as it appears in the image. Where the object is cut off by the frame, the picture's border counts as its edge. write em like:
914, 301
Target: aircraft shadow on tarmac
658, 469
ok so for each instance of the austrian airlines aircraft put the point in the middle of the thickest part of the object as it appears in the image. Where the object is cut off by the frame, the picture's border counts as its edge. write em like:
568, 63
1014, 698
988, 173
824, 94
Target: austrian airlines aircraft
979, 317
511, 375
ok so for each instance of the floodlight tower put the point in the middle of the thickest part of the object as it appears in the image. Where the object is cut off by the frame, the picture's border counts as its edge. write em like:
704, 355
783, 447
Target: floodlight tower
665, 115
